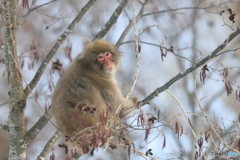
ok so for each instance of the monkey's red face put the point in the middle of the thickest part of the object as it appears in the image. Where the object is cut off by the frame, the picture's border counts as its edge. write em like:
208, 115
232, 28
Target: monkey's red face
106, 60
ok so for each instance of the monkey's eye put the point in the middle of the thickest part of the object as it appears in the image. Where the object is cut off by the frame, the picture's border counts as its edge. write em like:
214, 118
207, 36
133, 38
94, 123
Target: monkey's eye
108, 54
100, 57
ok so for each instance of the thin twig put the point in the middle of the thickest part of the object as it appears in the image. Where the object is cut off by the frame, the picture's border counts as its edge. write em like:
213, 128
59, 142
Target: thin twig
138, 64
184, 113
49, 144
56, 46
127, 29
206, 116
31, 10
183, 8
141, 15
38, 126
156, 45
214, 54
113, 19
186, 118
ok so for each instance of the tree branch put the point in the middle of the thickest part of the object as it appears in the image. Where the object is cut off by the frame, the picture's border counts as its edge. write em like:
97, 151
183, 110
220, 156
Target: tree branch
127, 29
49, 144
17, 98
112, 20
56, 46
183, 8
191, 69
38, 126
141, 15
32, 9
157, 45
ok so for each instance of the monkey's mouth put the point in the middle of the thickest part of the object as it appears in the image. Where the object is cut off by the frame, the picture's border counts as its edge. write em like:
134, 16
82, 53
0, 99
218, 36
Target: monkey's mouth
109, 70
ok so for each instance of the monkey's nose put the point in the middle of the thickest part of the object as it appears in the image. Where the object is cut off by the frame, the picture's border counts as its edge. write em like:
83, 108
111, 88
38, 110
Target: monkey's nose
108, 62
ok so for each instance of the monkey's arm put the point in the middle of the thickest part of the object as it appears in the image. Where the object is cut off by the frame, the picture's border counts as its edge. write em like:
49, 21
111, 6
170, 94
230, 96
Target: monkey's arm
130, 105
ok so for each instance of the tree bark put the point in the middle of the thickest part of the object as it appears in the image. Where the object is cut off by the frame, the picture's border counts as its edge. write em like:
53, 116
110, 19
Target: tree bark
17, 98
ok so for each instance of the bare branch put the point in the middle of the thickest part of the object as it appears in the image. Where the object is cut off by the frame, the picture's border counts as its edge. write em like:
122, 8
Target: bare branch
112, 20
49, 144
218, 134
4, 103
43, 4
127, 29
138, 50
189, 70
38, 126
157, 45
126, 13
183, 8
34, 2
56, 46
141, 15
32, 9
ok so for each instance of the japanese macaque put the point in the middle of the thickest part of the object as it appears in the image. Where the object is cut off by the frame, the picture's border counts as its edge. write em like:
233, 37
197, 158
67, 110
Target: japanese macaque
87, 96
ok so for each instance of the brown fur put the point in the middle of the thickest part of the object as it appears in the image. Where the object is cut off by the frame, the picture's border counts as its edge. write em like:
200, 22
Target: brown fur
85, 83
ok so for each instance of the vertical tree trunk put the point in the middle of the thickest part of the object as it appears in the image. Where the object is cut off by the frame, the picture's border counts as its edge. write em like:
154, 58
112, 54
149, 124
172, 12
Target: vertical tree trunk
17, 98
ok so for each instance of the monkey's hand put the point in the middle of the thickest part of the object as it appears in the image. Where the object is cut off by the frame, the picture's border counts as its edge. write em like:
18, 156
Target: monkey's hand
129, 106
